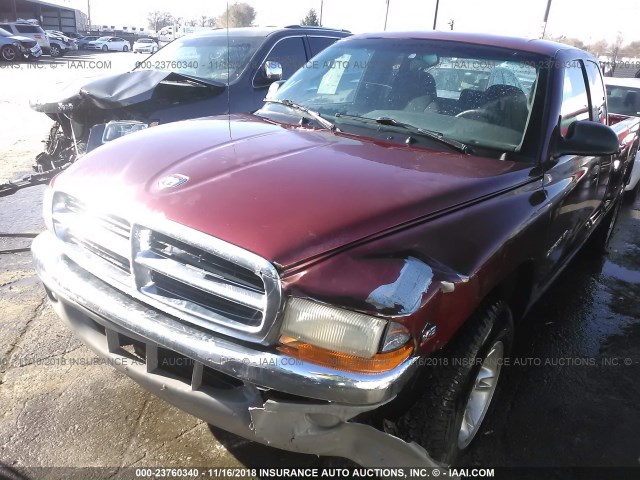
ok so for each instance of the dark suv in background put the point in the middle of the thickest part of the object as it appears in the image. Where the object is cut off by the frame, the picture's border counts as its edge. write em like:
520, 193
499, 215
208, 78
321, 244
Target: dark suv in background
211, 73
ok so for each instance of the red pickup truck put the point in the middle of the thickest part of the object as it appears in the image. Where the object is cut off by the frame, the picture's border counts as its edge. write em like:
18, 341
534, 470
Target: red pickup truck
341, 272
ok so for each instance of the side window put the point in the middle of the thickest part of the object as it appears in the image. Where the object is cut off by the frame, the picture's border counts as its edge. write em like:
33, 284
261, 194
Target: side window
27, 29
598, 93
290, 54
318, 44
575, 101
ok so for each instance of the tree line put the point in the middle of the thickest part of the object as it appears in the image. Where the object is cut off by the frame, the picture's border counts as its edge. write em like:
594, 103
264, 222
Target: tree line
237, 15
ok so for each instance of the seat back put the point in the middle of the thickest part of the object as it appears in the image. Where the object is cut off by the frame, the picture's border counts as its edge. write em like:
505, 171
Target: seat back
469, 99
508, 104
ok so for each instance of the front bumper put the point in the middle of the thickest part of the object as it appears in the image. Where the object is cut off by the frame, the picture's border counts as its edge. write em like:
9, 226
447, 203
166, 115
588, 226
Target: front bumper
35, 52
236, 388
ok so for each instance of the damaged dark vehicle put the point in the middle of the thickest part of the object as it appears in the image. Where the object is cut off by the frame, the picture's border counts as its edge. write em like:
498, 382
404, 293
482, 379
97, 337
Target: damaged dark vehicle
211, 73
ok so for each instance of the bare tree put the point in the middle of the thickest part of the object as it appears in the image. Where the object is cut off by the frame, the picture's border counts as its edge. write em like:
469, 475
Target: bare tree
632, 50
204, 21
237, 15
158, 20
599, 48
615, 51
311, 19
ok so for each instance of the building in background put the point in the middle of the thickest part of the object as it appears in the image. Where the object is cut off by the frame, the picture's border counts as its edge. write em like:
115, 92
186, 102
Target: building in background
48, 15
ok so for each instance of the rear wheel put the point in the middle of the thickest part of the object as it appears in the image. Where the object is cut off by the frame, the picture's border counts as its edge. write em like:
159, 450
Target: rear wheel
9, 53
55, 51
458, 391
125, 49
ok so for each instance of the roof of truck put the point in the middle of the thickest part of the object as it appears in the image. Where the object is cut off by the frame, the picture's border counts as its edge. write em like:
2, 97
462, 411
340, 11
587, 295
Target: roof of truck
532, 45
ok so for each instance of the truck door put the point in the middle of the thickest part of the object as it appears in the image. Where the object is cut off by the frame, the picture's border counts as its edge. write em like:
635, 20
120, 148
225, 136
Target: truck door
574, 183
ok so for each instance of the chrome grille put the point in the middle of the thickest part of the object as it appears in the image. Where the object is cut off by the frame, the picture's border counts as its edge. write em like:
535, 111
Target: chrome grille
190, 275
106, 236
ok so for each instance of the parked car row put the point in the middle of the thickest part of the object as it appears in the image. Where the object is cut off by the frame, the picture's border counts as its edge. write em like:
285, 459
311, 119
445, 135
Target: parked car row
26, 40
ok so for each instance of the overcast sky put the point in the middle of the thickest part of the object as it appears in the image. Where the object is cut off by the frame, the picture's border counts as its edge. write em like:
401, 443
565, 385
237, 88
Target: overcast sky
586, 19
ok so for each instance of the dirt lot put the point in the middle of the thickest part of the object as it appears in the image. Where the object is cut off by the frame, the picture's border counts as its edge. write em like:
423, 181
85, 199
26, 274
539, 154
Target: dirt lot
57, 409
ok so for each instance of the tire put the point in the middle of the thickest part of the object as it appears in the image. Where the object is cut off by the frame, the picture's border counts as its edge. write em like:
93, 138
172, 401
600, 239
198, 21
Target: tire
55, 51
9, 53
631, 195
454, 394
105, 48
125, 49
599, 241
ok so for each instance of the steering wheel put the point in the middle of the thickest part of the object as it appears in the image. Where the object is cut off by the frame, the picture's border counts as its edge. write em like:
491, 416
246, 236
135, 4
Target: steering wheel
480, 115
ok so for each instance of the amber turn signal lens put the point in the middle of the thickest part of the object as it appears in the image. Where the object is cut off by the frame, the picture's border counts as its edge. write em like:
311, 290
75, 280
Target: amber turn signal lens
381, 362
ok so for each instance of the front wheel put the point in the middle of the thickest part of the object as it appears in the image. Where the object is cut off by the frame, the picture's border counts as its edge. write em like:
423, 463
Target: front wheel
105, 48
457, 391
125, 49
9, 53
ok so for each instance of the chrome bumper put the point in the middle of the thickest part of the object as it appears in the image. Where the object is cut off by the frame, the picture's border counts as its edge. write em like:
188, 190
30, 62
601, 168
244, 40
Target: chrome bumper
267, 369
250, 405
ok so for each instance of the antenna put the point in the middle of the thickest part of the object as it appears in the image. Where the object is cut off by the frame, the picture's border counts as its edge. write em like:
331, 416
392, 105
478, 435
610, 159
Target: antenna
228, 74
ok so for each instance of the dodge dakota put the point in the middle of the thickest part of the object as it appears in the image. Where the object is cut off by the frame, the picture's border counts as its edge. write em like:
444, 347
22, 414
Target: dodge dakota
341, 272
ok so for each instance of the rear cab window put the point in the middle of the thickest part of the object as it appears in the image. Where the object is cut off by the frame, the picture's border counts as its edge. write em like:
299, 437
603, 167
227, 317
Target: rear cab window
575, 99
597, 93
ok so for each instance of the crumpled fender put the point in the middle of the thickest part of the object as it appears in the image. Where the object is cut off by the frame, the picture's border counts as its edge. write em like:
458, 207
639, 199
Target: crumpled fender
111, 91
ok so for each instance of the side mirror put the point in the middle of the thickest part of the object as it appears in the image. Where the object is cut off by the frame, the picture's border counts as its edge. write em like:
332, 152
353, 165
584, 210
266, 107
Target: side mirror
269, 72
587, 138
273, 89
272, 71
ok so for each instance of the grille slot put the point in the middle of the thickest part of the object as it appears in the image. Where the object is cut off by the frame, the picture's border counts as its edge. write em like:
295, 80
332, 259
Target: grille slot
185, 295
216, 266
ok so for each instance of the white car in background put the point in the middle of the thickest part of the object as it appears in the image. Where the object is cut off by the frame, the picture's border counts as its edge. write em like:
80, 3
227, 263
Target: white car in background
109, 44
145, 45
623, 97
68, 41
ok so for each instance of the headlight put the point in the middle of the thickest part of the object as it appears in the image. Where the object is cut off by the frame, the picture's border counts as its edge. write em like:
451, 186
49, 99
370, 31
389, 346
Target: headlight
117, 129
342, 339
333, 328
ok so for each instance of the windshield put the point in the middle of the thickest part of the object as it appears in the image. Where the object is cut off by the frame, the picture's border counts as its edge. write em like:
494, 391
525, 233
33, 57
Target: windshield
4, 33
212, 57
145, 40
478, 95
103, 39
624, 100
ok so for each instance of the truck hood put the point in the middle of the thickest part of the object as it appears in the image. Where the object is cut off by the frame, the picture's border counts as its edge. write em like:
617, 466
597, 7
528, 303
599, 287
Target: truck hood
287, 194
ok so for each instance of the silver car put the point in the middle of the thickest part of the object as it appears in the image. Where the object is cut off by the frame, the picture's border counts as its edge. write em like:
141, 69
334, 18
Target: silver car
14, 47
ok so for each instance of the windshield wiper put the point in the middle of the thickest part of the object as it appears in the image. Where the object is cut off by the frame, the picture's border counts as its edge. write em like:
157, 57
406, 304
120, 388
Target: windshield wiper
311, 113
437, 136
